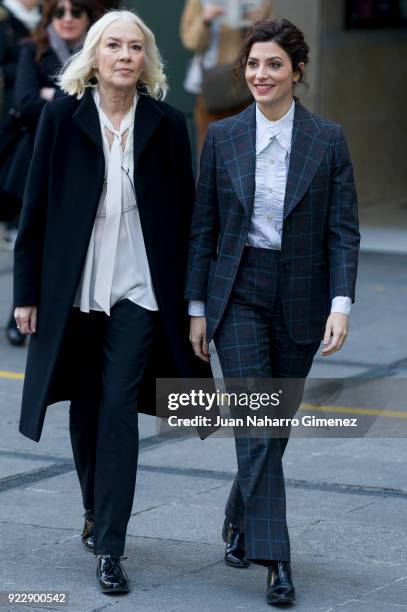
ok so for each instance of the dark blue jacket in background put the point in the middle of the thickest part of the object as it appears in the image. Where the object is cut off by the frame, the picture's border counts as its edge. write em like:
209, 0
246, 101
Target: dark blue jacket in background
12, 32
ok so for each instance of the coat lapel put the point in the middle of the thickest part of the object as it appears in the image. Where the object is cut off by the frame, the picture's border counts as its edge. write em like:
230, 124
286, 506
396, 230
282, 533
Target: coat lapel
147, 119
86, 116
239, 156
307, 151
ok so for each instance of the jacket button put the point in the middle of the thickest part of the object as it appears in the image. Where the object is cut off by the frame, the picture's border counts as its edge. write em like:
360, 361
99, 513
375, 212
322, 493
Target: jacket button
286, 266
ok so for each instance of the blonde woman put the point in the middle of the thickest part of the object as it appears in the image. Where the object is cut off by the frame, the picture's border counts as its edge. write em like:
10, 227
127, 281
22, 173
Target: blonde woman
100, 265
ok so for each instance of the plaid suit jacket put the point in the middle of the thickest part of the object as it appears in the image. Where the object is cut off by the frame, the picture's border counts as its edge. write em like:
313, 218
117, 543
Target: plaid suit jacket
320, 239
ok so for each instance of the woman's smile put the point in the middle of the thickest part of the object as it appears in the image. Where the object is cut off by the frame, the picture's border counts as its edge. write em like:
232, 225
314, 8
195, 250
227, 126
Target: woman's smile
264, 88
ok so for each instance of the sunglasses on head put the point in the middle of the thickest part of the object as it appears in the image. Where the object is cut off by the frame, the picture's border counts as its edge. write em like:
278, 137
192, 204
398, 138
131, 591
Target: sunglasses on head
76, 12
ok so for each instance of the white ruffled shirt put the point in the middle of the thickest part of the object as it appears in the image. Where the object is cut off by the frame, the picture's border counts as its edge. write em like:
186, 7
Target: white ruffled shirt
116, 265
273, 148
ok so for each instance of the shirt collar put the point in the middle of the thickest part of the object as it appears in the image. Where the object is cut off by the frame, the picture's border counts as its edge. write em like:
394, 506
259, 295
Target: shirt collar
127, 121
283, 128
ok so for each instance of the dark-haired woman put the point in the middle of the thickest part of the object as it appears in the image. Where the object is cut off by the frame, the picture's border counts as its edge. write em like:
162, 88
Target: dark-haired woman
272, 269
61, 33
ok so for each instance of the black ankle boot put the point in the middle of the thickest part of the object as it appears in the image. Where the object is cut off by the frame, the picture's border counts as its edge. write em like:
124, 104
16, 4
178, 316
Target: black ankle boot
234, 552
280, 587
110, 574
88, 536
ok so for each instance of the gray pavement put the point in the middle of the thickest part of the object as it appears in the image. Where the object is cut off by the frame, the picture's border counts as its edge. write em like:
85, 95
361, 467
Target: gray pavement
346, 498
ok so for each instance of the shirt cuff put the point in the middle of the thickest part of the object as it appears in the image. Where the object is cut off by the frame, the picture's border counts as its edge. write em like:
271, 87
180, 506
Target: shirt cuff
196, 308
341, 304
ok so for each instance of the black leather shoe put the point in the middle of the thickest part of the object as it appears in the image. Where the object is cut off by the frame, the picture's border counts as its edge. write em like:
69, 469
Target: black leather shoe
88, 536
280, 588
234, 552
110, 574
14, 336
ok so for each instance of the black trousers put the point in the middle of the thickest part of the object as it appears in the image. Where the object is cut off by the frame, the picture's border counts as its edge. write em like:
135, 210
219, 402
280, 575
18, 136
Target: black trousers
104, 422
252, 342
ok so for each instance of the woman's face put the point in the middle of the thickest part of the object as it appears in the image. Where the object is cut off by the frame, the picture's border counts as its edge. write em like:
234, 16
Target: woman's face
120, 55
269, 74
70, 21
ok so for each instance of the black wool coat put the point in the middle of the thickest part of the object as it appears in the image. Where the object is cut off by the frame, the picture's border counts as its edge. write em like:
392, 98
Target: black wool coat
60, 202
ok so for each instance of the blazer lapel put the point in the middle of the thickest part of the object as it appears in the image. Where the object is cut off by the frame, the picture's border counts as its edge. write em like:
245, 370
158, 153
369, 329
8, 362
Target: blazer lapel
307, 152
86, 116
239, 156
147, 119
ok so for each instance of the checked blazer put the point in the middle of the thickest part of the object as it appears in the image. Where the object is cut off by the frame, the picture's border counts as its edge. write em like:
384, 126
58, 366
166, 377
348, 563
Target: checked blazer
320, 239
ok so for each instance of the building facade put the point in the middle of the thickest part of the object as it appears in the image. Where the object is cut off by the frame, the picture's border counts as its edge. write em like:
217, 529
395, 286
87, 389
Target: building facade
356, 76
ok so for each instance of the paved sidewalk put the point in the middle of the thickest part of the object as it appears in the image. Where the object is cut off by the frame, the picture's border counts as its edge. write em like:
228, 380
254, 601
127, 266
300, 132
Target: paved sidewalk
384, 227
346, 498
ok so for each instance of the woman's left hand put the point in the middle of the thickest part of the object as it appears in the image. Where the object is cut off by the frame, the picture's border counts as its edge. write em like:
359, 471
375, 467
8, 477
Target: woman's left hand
336, 332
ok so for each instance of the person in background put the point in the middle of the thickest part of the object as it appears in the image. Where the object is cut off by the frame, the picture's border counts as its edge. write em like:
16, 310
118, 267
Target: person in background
100, 265
213, 43
60, 34
18, 18
272, 270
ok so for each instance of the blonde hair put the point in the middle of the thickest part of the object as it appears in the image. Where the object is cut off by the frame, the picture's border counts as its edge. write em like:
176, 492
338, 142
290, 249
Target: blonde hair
79, 69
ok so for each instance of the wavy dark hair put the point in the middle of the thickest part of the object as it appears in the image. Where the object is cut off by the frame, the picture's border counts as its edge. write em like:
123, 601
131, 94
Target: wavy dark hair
283, 33
40, 34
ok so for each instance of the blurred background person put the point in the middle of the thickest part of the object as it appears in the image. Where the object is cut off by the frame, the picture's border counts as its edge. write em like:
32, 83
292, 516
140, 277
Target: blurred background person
18, 19
214, 31
60, 33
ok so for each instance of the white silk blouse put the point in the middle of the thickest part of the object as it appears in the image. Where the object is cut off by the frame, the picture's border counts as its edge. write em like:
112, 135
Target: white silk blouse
116, 265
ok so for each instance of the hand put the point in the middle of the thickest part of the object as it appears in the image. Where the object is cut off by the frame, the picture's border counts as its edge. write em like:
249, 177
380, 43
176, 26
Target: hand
336, 332
26, 319
197, 337
47, 93
212, 11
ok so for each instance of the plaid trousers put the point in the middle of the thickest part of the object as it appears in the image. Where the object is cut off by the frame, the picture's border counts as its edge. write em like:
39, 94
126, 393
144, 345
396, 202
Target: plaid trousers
252, 342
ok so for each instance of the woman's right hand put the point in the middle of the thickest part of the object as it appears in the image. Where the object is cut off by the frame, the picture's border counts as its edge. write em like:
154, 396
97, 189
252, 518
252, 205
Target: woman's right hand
212, 11
197, 337
26, 319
